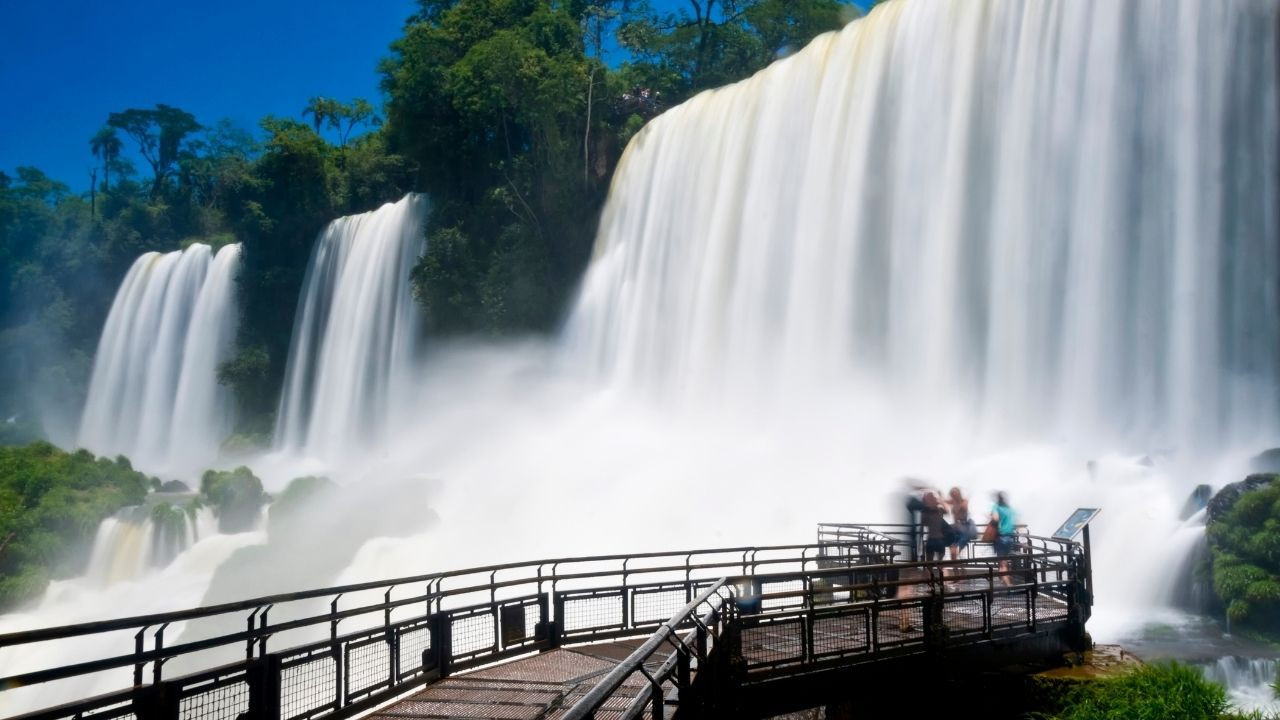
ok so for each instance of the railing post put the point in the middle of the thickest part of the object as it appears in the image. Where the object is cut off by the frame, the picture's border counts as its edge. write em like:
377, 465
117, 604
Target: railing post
264, 688
156, 702
556, 625
441, 641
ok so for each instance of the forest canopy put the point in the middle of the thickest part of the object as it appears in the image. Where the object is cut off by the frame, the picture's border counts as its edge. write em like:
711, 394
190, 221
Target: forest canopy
512, 114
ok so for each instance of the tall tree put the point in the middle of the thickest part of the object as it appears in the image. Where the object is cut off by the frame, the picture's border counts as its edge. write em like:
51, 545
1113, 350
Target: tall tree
106, 146
159, 133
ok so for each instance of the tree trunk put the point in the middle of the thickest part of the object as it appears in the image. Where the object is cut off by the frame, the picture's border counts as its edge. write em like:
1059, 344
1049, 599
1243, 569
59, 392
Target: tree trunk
586, 136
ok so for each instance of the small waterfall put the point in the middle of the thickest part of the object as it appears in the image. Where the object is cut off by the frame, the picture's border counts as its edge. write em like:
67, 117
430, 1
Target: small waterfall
356, 333
140, 539
1248, 681
154, 394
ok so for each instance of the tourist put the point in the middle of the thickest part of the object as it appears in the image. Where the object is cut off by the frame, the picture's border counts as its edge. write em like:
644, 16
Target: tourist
963, 530
914, 504
937, 530
1006, 525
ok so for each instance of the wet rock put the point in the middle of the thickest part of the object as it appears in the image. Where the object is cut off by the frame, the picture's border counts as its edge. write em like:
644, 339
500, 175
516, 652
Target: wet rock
1225, 498
1197, 501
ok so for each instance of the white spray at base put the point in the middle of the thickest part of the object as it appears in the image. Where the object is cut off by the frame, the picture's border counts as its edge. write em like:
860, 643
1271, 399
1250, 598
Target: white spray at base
154, 395
1249, 681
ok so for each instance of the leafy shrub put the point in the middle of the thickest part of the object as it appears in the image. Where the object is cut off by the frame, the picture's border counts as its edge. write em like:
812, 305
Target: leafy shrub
51, 503
1244, 546
1164, 691
236, 496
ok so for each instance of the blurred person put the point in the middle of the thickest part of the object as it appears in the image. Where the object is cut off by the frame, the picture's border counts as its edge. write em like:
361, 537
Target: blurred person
1006, 526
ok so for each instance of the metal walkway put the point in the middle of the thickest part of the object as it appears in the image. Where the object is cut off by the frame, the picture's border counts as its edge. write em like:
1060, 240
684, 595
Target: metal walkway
721, 632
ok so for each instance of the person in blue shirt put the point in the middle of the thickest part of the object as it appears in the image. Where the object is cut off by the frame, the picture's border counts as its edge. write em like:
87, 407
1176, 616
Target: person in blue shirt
1006, 525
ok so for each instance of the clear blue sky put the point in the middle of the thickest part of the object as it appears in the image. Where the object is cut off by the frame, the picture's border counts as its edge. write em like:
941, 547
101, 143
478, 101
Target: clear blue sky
66, 64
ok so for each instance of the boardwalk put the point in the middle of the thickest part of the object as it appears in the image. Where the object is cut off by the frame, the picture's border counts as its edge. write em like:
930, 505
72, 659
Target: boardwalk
737, 632
531, 688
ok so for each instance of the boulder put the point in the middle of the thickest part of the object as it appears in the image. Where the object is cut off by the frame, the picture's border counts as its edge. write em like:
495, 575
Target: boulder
1225, 498
1196, 502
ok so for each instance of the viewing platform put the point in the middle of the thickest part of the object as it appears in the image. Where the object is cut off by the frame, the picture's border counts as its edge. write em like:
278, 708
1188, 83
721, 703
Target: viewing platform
728, 632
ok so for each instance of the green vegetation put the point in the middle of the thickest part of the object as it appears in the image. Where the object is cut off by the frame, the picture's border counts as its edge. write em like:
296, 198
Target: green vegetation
1164, 691
51, 503
1244, 557
236, 497
512, 114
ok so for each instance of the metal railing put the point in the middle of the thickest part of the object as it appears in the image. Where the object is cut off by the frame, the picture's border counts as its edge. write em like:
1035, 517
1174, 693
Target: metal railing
728, 616
689, 651
337, 651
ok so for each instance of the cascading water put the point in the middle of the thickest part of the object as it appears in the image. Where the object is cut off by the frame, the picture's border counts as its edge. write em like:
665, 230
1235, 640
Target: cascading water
136, 542
154, 395
1059, 216
1249, 681
356, 334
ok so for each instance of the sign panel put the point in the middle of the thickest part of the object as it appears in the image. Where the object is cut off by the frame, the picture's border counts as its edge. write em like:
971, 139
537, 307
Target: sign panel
1069, 529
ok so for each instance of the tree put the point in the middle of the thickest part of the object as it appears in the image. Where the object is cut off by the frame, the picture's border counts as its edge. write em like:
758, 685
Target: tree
106, 147
322, 111
159, 134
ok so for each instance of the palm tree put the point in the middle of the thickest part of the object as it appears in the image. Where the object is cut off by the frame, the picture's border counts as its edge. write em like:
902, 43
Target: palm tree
320, 109
106, 146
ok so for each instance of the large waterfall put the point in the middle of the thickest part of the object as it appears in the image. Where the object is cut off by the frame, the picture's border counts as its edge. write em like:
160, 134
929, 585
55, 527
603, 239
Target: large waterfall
356, 333
1059, 216
154, 395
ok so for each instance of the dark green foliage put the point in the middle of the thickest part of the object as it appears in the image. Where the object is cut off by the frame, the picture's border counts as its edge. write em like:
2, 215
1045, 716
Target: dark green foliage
1244, 541
236, 497
51, 503
1164, 691
505, 111
516, 125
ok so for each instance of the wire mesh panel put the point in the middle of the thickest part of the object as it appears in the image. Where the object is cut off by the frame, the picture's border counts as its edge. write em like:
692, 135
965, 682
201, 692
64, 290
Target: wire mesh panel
964, 614
308, 684
772, 641
474, 632
591, 610
1009, 608
412, 641
900, 623
1050, 608
655, 605
221, 697
782, 586
519, 620
368, 666
843, 632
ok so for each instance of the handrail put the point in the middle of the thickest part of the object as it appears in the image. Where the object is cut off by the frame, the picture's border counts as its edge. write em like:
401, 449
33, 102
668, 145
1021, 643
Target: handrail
92, 627
611, 682
526, 607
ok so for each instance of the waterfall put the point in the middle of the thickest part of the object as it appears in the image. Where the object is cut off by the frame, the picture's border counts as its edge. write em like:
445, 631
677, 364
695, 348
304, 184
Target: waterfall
132, 543
355, 336
1248, 681
154, 394
1057, 216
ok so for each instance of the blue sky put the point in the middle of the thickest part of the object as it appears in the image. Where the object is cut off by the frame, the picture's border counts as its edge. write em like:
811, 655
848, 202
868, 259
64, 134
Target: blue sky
66, 64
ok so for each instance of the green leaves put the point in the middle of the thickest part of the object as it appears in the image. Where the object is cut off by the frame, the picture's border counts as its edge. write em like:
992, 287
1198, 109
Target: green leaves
1245, 558
51, 503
